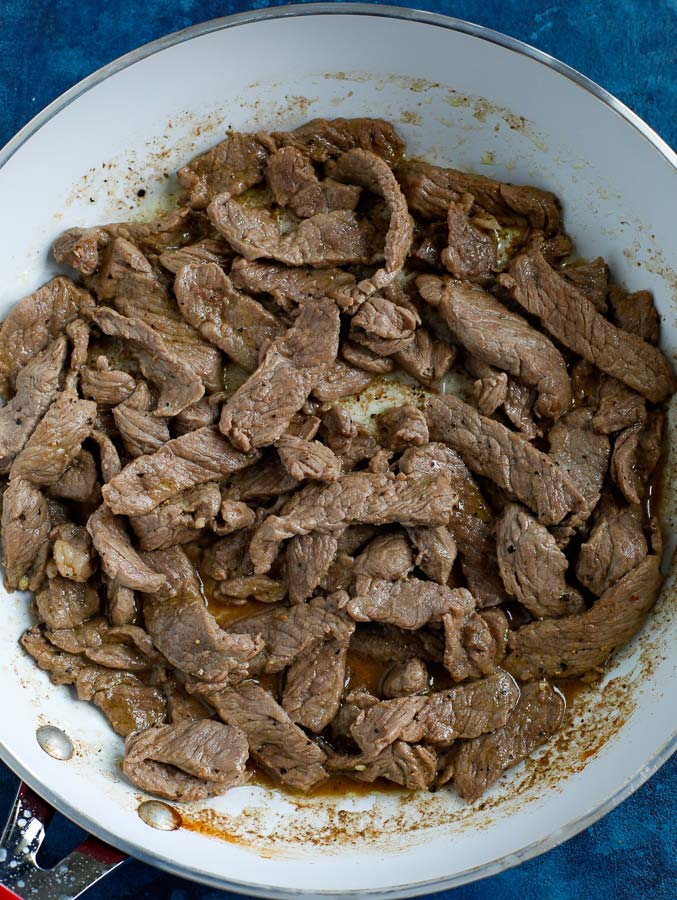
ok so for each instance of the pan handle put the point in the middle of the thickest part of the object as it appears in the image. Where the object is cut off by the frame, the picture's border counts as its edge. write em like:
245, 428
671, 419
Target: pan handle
20, 875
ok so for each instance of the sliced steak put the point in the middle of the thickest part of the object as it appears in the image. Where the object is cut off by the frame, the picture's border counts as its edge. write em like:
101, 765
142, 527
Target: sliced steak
314, 685
80, 480
234, 165
636, 454
261, 481
34, 323
634, 313
356, 497
210, 250
191, 760
37, 385
294, 184
346, 438
532, 565
198, 415
324, 139
583, 642
233, 516
26, 524
616, 545
436, 551
79, 248
109, 458
141, 430
409, 604
242, 588
275, 742
119, 559
426, 359
308, 460
387, 644
308, 558
56, 441
178, 520
387, 557
289, 288
411, 766
184, 462
342, 380
73, 553
410, 676
570, 317
363, 358
105, 385
592, 280
480, 762
618, 407
471, 252
62, 603
583, 454
508, 459
474, 643
382, 326
223, 315
259, 411
121, 603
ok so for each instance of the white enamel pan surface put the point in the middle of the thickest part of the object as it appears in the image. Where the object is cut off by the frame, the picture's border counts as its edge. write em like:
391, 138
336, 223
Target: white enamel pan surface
461, 95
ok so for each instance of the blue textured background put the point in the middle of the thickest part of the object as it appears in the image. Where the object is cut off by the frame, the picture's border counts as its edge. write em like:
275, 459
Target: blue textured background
629, 47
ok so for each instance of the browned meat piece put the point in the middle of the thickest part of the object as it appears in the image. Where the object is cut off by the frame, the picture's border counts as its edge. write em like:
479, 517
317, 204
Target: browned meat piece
238, 590
142, 432
34, 322
109, 458
259, 411
370, 172
480, 762
79, 333
56, 441
387, 557
471, 252
410, 603
105, 385
115, 648
181, 707
499, 337
308, 557
173, 229
289, 632
402, 426
341, 380
72, 552
223, 315
636, 454
570, 317
347, 439
121, 603
591, 279
198, 415
209, 250
309, 460
233, 516
490, 390
634, 313
436, 551
275, 742
289, 288
178, 520
183, 629
473, 642
324, 139
348, 711
618, 407
187, 761
63, 603
387, 644
579, 643
234, 165
410, 676
356, 497
261, 481
80, 480
119, 559
184, 462
26, 524
339, 575
177, 384
439, 718
533, 567
123, 270
427, 359
314, 685
294, 184
508, 459
383, 327
363, 358
430, 189
79, 249
411, 766
583, 454
615, 546
37, 385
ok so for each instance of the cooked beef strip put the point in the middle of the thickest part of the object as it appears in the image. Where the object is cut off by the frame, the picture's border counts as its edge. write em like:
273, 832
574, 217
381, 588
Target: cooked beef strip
411, 766
314, 685
427, 359
72, 552
385, 643
261, 481
26, 524
308, 558
439, 718
583, 454
178, 520
636, 453
181, 707
183, 629
430, 189
234, 165
474, 643
533, 567
570, 317
615, 546
294, 184
95, 640
121, 603
342, 380
410, 676
289, 288
37, 385
634, 313
356, 497
233, 516
56, 440
173, 229
402, 426
79, 333
177, 384
62, 603
35, 322
582, 642
184, 462
109, 458
259, 411
238, 590
480, 762
141, 430
387, 557
501, 338
348, 440
80, 480
79, 248
471, 252
508, 459
409, 604
308, 460
275, 742
191, 760
592, 280
105, 385
618, 407
490, 391
436, 551
119, 559
324, 139
362, 357
382, 326
223, 315
471, 522
198, 415
210, 250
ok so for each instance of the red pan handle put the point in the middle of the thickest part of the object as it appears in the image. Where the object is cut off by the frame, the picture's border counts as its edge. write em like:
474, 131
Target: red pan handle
21, 877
